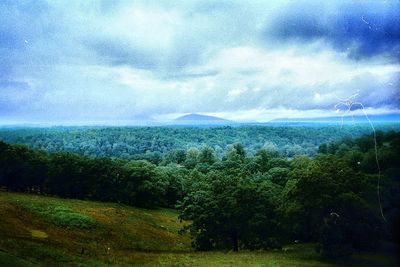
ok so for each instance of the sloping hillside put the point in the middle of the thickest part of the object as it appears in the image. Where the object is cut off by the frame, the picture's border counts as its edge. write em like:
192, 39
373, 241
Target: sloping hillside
47, 231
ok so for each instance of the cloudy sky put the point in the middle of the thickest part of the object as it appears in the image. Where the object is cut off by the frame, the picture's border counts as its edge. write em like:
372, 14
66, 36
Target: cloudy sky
128, 61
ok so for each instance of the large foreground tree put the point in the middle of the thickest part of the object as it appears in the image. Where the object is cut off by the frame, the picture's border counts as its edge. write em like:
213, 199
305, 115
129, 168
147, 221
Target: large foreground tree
231, 212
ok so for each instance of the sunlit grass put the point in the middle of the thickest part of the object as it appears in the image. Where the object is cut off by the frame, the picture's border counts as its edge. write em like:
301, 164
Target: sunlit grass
57, 213
38, 234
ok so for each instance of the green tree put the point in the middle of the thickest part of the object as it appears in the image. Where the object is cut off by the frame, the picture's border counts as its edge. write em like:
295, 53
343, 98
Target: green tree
207, 155
236, 153
262, 158
230, 212
68, 175
192, 158
278, 175
174, 177
141, 185
326, 186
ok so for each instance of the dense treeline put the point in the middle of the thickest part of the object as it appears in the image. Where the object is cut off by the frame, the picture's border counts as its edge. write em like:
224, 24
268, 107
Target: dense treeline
70, 175
152, 143
241, 200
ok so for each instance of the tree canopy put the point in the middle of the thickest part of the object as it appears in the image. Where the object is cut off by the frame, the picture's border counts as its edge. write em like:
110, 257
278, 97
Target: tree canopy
241, 200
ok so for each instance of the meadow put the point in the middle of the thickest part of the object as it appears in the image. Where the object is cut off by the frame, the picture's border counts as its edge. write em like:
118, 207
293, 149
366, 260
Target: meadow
87, 233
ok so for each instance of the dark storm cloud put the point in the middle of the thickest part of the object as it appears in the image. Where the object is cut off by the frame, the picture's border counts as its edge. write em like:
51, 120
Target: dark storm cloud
361, 29
88, 59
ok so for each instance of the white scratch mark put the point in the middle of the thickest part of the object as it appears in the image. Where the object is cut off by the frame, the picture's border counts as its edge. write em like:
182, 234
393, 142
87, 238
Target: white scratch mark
349, 103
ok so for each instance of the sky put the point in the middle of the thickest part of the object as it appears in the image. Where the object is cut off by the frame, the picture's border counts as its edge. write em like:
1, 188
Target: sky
127, 62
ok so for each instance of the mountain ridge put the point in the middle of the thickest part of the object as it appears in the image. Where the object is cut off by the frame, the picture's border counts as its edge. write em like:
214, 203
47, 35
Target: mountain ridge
393, 117
194, 118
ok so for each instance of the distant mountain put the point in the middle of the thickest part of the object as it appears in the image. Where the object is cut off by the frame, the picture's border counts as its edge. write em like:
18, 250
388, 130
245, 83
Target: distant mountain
198, 119
347, 119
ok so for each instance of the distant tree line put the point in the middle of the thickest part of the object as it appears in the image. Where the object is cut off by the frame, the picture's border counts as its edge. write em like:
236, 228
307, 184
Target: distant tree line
152, 143
238, 201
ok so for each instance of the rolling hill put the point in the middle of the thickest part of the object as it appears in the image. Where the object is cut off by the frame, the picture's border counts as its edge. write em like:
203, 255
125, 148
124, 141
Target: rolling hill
198, 119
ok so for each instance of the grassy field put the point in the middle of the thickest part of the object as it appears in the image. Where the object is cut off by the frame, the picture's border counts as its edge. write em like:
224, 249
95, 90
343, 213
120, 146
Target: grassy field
46, 231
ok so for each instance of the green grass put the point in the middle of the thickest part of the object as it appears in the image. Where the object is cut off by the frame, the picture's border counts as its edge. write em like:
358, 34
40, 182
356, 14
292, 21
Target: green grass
50, 231
59, 214
9, 260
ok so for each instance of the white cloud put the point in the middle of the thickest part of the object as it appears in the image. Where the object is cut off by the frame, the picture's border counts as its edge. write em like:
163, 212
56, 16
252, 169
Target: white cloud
151, 60
236, 92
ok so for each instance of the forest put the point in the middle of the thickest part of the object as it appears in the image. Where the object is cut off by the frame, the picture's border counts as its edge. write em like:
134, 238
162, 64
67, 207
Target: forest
153, 143
343, 194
